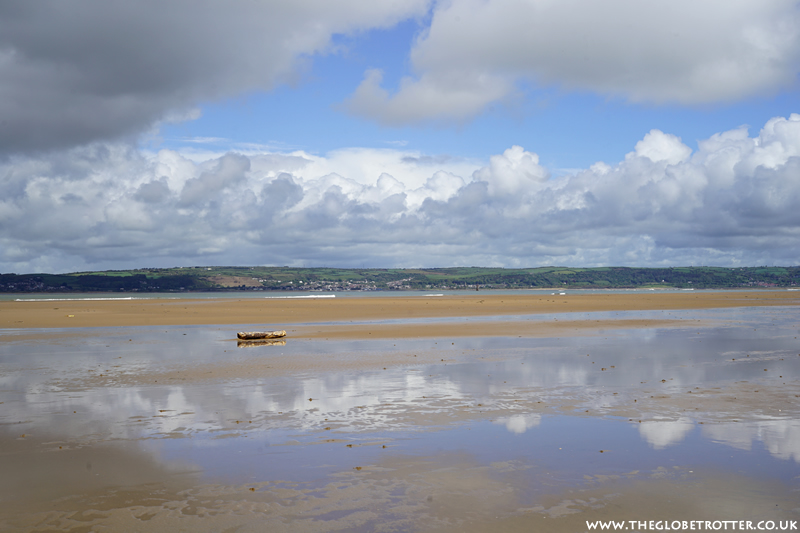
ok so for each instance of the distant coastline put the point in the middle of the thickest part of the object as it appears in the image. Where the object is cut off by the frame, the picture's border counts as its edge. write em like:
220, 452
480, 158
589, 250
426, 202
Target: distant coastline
213, 279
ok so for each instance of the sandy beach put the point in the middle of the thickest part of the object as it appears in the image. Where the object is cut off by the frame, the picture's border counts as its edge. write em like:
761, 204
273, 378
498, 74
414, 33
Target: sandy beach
276, 312
446, 413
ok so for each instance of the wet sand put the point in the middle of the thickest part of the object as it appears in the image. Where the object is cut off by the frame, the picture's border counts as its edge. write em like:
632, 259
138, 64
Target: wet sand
445, 493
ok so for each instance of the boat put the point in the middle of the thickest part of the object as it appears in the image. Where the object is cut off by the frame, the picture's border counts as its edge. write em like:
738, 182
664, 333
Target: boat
255, 335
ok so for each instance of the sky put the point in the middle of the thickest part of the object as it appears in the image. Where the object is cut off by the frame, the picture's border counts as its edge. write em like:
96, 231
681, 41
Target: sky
401, 133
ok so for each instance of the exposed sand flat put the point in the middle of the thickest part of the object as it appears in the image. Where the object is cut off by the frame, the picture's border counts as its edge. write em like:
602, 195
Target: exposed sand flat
276, 312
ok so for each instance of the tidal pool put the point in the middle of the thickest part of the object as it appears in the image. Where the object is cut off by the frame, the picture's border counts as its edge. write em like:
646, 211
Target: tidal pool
177, 428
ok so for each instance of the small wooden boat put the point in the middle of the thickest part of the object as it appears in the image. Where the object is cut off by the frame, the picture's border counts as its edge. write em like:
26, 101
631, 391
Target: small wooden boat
254, 335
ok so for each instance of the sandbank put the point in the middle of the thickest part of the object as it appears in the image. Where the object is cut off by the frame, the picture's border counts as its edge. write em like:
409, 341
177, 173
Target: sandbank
279, 313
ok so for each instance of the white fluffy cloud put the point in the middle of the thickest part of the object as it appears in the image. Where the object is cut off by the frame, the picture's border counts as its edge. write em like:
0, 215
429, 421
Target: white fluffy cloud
733, 201
476, 51
514, 172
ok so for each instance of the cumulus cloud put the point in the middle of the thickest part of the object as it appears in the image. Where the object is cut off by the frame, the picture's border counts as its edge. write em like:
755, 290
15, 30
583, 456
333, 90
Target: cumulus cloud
105, 205
476, 52
514, 172
229, 171
77, 72
659, 146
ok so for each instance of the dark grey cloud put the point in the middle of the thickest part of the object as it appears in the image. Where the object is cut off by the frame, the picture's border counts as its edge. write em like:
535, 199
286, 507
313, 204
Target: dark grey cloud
76, 72
229, 171
152, 192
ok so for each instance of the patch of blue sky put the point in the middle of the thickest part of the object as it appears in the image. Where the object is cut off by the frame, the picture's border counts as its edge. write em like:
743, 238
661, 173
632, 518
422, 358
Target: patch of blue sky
308, 114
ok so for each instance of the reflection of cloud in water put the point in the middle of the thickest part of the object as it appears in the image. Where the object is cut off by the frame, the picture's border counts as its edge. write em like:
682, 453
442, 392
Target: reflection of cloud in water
118, 413
663, 433
780, 437
357, 401
519, 424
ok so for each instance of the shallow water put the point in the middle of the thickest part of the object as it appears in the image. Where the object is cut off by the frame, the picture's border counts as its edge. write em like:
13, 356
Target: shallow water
404, 434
